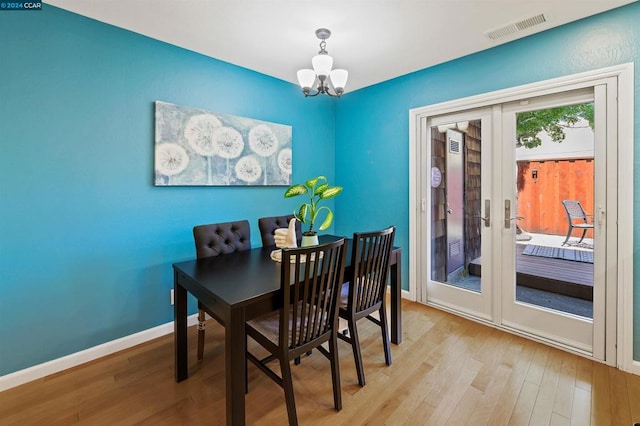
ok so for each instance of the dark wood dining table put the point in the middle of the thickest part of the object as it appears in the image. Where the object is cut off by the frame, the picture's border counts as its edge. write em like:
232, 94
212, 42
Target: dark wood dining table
238, 287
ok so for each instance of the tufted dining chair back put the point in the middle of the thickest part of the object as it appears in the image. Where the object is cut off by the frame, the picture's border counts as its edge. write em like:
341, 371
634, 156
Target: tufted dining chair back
222, 238
213, 240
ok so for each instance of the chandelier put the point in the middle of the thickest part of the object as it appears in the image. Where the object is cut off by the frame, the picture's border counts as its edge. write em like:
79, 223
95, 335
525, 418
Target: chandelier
322, 78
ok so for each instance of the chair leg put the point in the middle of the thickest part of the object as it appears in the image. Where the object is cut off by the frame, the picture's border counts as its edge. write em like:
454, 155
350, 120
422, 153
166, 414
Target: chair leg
297, 359
335, 372
246, 365
584, 232
385, 334
357, 356
201, 325
568, 235
287, 385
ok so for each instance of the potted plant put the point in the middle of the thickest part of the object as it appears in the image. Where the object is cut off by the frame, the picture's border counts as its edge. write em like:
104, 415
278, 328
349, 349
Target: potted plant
318, 189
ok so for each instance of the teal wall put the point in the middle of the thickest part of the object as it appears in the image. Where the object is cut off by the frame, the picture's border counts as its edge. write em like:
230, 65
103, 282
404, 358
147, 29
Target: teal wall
86, 240
372, 125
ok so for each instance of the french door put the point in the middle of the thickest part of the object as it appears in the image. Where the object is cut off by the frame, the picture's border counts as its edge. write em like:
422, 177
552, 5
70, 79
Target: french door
458, 199
540, 315
469, 222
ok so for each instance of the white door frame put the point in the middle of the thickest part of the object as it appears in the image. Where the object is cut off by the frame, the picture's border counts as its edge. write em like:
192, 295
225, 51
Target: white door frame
621, 306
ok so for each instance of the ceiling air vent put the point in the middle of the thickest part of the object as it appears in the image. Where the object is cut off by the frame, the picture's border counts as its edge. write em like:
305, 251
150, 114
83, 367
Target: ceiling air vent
516, 26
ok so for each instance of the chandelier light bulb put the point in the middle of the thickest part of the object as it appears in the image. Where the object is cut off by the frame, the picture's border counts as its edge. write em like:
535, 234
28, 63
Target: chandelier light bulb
339, 78
306, 78
322, 65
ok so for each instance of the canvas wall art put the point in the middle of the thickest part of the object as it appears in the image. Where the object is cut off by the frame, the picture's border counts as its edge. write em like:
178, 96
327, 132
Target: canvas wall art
195, 147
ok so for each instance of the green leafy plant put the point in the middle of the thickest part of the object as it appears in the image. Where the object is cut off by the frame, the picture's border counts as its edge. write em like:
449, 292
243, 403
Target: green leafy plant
318, 189
553, 121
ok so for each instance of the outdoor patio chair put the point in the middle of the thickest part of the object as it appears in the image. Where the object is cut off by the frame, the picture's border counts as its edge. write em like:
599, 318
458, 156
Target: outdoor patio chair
577, 219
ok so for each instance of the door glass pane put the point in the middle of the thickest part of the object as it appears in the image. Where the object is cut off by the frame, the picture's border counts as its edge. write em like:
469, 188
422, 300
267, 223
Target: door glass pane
456, 204
555, 203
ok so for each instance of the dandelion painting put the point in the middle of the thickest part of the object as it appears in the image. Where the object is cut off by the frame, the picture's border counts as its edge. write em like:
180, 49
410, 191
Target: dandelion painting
195, 147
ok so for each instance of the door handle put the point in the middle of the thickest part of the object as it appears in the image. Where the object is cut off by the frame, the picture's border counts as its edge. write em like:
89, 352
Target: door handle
507, 222
487, 214
507, 215
487, 220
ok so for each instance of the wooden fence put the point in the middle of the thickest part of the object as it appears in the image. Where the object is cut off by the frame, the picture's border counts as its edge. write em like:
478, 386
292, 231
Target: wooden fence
542, 185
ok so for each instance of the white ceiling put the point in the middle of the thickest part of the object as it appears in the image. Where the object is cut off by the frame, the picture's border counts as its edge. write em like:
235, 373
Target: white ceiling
375, 40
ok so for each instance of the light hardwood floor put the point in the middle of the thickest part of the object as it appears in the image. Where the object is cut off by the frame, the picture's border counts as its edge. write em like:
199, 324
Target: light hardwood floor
448, 370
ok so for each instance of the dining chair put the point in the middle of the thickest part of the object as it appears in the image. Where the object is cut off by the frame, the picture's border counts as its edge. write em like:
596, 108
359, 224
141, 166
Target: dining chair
365, 291
268, 226
310, 284
213, 240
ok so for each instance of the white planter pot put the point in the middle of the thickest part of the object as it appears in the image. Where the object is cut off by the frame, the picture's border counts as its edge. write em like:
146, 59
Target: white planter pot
309, 240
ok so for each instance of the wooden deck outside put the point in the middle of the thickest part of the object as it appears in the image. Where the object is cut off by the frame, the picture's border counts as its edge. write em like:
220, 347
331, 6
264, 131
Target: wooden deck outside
560, 276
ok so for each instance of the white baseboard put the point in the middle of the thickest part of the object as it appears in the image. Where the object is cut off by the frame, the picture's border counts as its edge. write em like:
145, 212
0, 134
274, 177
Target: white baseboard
407, 295
634, 368
55, 366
